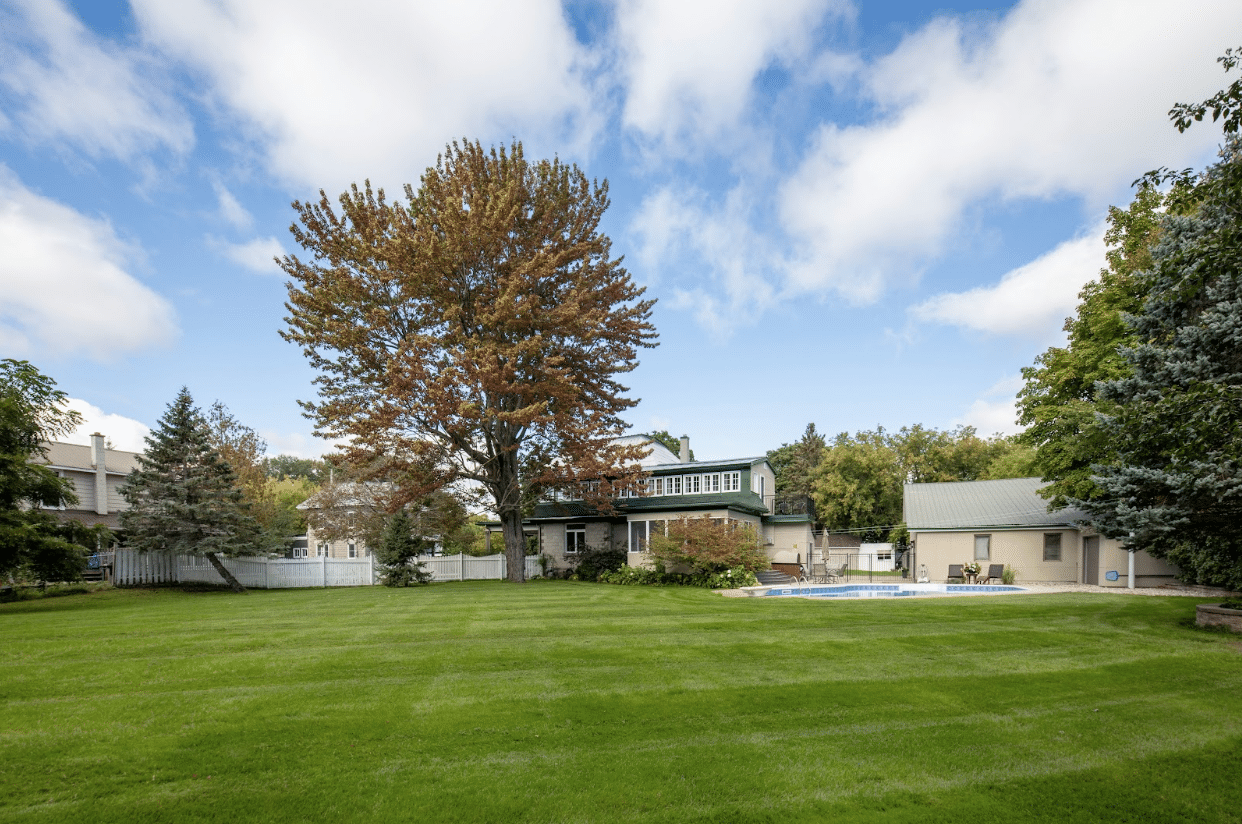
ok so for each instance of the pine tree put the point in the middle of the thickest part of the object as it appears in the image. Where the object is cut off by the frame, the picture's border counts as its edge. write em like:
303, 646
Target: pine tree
1175, 488
395, 552
184, 497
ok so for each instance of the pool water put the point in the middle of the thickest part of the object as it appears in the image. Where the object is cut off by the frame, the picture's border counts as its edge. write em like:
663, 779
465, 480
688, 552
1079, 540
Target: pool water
884, 590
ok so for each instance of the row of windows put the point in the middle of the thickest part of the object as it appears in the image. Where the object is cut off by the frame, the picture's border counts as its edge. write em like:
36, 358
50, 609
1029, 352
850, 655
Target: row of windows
1052, 547
321, 550
707, 483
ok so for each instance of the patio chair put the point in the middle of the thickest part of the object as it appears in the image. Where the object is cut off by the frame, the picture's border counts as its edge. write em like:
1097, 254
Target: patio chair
837, 574
996, 571
819, 573
955, 571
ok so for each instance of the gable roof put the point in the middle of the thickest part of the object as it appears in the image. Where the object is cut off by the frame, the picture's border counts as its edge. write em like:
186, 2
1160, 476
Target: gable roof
77, 456
1011, 503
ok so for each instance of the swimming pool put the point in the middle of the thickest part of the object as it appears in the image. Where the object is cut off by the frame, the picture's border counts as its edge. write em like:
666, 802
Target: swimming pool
877, 590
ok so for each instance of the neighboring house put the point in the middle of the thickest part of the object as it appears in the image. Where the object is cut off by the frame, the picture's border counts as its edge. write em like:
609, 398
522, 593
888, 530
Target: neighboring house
740, 490
345, 502
1007, 522
97, 474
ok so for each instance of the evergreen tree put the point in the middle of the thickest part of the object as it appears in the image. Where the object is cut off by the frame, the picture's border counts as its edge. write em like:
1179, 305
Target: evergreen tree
184, 497
795, 463
1175, 487
395, 552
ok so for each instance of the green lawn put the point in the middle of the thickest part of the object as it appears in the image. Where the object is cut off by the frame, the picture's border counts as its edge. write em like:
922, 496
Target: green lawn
566, 702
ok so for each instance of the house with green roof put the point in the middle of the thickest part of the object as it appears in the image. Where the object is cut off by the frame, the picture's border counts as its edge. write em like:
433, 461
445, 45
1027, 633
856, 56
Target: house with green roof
736, 490
1008, 522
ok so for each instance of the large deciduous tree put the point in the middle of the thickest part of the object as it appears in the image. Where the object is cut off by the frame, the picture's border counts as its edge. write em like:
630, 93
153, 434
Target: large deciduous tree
474, 333
1174, 486
184, 498
33, 411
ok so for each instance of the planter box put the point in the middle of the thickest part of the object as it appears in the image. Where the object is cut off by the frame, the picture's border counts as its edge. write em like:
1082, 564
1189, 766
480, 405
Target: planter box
1211, 615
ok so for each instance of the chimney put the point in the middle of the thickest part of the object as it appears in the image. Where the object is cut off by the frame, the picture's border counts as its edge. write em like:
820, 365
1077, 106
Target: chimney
99, 461
685, 449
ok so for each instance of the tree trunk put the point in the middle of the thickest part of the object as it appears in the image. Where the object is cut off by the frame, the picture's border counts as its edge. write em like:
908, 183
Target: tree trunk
233, 583
515, 545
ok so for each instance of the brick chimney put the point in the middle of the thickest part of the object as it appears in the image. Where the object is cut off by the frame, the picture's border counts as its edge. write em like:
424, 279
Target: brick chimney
685, 449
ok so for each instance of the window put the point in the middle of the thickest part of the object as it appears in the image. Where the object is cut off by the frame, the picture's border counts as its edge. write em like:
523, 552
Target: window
983, 547
672, 485
732, 481
692, 484
1052, 546
353, 550
759, 479
638, 536
659, 486
321, 551
575, 538
299, 552
711, 483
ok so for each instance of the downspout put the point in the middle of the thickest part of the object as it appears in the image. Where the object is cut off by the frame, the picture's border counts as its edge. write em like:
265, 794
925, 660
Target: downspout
1131, 569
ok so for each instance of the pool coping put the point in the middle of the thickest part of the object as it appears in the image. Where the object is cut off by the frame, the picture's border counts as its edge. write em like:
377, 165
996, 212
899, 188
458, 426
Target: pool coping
806, 590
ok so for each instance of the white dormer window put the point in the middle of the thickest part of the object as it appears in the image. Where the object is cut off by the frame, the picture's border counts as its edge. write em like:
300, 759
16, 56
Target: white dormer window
672, 485
657, 486
732, 481
692, 484
711, 483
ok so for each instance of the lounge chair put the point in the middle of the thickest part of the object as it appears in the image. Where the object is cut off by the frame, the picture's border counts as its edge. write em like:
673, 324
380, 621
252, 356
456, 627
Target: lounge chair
996, 571
955, 572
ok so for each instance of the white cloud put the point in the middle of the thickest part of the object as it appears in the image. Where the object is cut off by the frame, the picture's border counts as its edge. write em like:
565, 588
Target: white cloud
63, 283
689, 66
376, 89
1057, 98
70, 86
123, 433
229, 209
256, 255
1032, 300
298, 444
676, 228
996, 411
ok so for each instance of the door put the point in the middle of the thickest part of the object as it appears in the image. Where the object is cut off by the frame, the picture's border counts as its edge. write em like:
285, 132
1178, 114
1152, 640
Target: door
1091, 561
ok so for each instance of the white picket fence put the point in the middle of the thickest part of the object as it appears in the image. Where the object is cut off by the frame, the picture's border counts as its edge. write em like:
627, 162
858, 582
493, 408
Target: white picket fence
470, 568
131, 568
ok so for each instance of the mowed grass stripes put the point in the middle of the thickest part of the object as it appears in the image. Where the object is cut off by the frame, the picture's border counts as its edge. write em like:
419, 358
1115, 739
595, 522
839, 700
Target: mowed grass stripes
557, 701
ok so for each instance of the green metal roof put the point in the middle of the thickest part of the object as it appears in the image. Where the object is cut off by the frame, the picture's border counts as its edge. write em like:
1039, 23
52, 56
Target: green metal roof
1010, 503
741, 501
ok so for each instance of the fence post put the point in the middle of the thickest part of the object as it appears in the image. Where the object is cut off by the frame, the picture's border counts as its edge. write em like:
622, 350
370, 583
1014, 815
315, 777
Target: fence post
461, 566
323, 570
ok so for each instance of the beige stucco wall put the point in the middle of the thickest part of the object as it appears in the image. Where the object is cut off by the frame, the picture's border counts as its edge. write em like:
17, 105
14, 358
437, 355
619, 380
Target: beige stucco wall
1148, 571
1023, 550
788, 543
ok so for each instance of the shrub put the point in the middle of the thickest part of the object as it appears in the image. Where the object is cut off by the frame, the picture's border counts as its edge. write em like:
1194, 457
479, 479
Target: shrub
1232, 603
638, 576
1009, 576
589, 563
709, 545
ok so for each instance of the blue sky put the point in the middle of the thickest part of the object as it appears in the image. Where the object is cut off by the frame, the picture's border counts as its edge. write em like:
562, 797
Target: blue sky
851, 214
